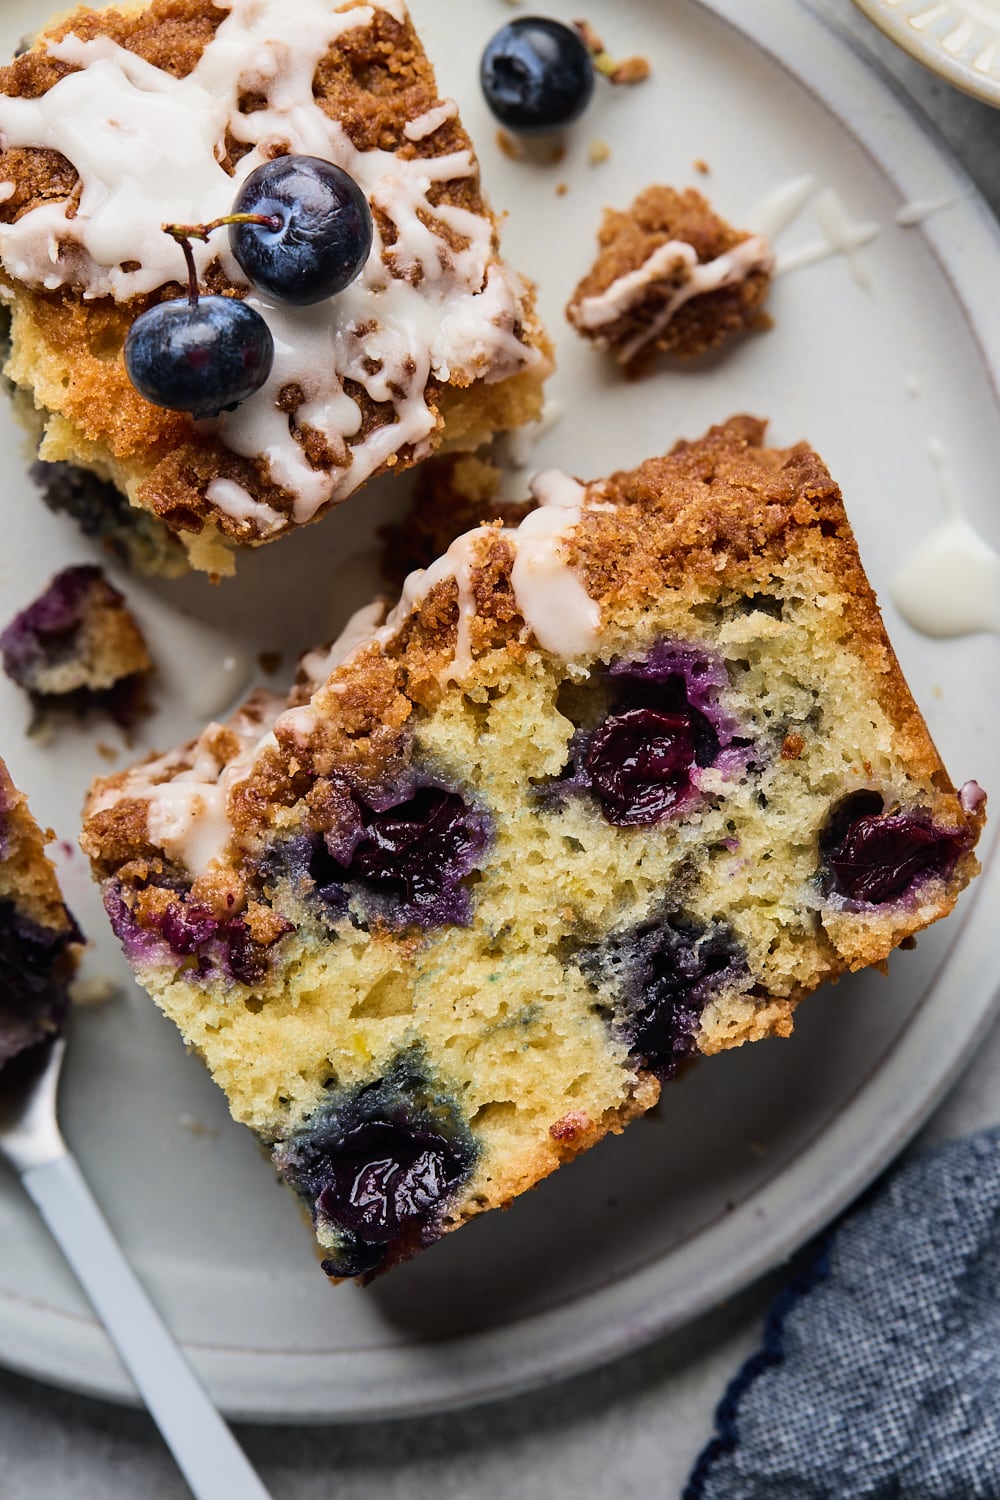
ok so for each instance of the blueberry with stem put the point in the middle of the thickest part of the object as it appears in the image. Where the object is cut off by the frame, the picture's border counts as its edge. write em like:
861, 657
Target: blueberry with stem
301, 229
202, 355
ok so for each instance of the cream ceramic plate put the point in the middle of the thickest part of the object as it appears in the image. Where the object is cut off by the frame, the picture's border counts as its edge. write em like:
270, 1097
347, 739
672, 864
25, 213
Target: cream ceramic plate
753, 1151
958, 39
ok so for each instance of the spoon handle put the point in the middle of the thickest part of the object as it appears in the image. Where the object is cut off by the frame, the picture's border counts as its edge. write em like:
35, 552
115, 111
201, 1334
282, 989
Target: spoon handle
205, 1450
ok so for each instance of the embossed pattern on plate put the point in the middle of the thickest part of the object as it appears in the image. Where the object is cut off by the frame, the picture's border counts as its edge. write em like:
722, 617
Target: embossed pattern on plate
959, 39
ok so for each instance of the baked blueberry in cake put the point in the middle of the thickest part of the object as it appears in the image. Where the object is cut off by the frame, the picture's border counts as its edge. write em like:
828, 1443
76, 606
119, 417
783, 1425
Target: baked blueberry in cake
38, 937
77, 647
606, 790
353, 317
670, 277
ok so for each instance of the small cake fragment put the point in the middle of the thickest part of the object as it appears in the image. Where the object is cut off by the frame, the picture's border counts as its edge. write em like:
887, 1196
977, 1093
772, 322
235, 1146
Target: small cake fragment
606, 790
116, 122
39, 940
77, 647
671, 277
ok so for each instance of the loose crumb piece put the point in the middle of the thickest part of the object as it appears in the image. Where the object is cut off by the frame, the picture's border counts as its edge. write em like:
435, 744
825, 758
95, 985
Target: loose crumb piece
671, 277
629, 70
543, 150
600, 151
562, 188
97, 990
77, 648
509, 147
196, 1126
702, 166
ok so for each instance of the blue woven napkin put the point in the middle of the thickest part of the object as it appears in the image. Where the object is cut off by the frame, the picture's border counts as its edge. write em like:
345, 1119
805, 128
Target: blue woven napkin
879, 1375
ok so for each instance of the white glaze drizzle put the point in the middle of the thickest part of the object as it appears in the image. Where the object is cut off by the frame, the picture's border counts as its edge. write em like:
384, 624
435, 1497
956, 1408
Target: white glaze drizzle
909, 215
950, 584
316, 666
551, 598
699, 278
426, 124
147, 148
187, 791
231, 498
842, 235
781, 206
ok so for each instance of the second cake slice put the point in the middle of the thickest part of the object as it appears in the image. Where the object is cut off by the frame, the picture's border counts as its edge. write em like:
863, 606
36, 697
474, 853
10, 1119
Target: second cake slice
115, 122
605, 791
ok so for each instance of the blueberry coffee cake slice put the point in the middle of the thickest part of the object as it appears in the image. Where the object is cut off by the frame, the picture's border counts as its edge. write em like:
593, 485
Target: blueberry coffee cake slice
604, 791
670, 277
38, 937
248, 265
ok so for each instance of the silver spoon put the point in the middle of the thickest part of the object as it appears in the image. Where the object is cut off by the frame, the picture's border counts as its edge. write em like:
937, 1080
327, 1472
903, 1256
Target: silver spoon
205, 1450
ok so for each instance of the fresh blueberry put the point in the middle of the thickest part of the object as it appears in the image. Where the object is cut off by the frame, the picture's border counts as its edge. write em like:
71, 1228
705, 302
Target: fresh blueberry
875, 856
323, 235
202, 357
536, 75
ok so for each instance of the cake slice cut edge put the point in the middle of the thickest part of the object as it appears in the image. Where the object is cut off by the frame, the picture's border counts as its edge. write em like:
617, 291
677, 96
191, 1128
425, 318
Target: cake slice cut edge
117, 121
39, 939
602, 793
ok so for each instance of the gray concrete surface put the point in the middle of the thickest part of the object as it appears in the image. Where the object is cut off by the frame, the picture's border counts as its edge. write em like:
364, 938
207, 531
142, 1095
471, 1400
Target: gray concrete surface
629, 1430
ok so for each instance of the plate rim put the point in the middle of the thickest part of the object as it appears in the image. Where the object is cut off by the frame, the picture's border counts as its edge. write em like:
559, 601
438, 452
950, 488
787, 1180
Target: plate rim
72, 1352
923, 48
